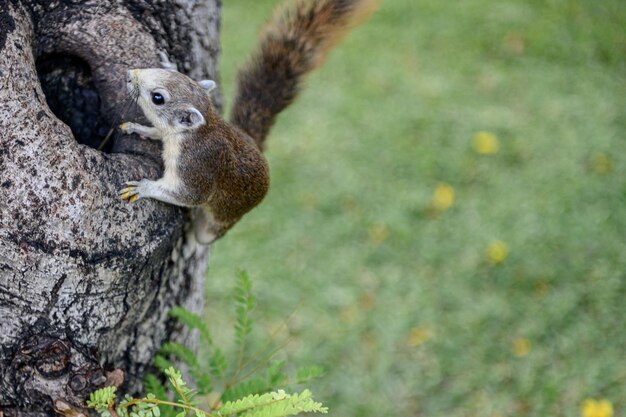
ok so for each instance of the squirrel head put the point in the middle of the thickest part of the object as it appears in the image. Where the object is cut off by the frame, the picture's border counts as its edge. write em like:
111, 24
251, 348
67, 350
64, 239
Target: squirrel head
171, 101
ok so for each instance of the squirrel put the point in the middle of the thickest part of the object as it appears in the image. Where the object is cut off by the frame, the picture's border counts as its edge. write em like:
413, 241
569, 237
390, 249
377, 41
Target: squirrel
216, 165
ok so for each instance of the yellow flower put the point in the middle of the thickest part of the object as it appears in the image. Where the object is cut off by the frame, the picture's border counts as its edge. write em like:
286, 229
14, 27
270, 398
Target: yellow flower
593, 408
602, 163
521, 347
350, 314
308, 200
378, 233
443, 197
514, 43
497, 251
541, 289
419, 335
367, 301
486, 143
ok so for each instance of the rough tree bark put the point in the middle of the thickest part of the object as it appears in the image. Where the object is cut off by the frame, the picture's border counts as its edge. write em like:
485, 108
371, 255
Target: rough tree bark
86, 280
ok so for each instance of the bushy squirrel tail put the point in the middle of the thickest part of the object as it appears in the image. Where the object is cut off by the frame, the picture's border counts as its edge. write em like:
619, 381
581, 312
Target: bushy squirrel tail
295, 41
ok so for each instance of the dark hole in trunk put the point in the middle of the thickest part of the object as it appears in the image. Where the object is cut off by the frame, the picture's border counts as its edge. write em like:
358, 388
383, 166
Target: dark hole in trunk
72, 96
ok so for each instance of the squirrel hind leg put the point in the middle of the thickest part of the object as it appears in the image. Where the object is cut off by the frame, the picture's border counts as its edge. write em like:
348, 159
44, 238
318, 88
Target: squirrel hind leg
206, 229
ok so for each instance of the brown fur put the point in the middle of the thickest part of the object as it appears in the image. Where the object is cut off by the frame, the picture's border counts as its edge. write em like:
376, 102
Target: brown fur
234, 177
295, 41
220, 166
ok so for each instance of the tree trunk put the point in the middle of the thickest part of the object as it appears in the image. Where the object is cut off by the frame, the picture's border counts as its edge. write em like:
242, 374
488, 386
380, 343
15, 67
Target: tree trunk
86, 280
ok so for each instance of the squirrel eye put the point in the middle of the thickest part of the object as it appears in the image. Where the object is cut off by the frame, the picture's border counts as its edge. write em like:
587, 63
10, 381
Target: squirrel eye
158, 99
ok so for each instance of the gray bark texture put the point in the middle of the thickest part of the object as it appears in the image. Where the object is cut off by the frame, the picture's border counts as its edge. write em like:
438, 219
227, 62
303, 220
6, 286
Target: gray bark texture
86, 280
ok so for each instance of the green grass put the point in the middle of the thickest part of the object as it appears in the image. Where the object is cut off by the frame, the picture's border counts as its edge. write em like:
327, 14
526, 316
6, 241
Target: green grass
346, 237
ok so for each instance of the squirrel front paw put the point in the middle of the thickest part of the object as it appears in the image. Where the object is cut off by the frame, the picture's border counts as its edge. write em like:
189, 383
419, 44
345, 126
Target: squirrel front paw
128, 128
134, 190
144, 132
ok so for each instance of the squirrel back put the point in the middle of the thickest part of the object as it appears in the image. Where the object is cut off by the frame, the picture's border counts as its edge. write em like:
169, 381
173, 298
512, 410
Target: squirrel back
294, 42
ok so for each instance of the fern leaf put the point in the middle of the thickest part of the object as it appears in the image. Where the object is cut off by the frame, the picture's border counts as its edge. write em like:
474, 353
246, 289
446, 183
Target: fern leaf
245, 302
102, 399
152, 385
156, 388
204, 382
307, 373
249, 402
273, 404
274, 375
218, 363
180, 386
161, 363
201, 378
180, 352
255, 385
291, 405
193, 321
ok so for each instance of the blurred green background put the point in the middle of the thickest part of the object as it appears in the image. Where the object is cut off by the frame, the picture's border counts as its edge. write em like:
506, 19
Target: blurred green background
446, 226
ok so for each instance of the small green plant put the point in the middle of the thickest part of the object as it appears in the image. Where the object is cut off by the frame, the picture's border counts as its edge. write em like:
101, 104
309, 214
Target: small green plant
271, 404
247, 385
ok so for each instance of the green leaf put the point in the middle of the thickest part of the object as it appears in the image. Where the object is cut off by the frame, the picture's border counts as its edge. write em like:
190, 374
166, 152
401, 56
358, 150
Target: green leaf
203, 381
102, 399
218, 363
307, 373
121, 408
200, 376
245, 303
193, 321
180, 386
274, 375
180, 352
273, 404
161, 363
254, 385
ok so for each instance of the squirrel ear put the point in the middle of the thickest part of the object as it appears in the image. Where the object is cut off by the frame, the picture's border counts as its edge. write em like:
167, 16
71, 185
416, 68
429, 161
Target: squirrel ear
208, 85
166, 63
189, 118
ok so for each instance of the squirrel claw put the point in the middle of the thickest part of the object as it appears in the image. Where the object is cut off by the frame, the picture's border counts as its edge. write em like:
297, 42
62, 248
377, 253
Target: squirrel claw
144, 132
127, 128
130, 193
